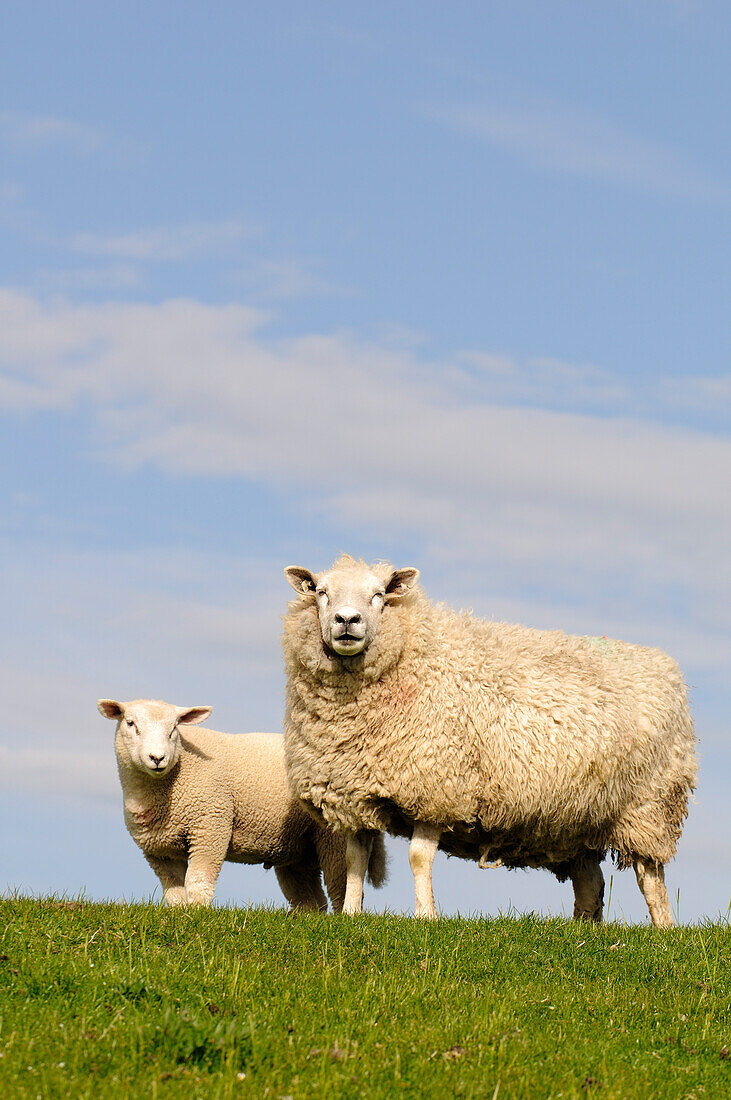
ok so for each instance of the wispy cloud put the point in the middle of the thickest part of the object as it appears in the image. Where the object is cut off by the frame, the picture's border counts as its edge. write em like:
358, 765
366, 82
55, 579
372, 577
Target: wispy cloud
570, 140
432, 453
178, 242
547, 382
282, 280
703, 392
38, 131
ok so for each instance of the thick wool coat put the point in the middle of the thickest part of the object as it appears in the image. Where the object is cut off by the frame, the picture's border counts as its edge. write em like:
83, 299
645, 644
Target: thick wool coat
523, 745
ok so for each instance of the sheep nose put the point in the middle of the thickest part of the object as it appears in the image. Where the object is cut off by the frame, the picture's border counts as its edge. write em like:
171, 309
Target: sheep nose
156, 759
347, 616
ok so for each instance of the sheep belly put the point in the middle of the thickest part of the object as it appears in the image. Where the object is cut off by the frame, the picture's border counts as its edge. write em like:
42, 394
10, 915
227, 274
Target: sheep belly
275, 847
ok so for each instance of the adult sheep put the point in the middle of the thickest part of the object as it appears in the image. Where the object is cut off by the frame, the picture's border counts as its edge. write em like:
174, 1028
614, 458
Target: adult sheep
490, 741
195, 799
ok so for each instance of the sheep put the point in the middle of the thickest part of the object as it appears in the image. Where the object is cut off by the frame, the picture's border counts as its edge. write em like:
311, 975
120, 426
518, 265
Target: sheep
194, 798
494, 742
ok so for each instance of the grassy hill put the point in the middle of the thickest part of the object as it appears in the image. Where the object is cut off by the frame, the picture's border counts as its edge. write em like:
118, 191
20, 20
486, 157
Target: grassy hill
110, 1001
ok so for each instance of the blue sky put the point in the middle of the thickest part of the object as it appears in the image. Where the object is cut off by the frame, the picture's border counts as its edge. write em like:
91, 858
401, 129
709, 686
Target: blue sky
446, 284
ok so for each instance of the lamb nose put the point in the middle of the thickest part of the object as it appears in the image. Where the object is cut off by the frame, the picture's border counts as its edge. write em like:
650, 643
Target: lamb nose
156, 759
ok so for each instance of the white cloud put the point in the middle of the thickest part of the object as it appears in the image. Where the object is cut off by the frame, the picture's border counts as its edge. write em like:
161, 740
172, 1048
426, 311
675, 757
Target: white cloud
575, 141
37, 131
17, 394
388, 444
177, 242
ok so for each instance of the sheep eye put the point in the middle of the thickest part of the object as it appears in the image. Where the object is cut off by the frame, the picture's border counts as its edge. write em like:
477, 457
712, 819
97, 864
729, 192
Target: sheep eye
130, 723
378, 596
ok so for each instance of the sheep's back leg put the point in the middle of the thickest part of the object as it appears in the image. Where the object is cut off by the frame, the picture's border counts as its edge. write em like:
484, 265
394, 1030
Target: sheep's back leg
301, 884
171, 873
330, 848
588, 882
422, 850
357, 856
651, 881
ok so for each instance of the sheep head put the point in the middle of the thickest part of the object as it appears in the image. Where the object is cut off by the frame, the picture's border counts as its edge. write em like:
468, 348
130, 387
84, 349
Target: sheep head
148, 733
351, 599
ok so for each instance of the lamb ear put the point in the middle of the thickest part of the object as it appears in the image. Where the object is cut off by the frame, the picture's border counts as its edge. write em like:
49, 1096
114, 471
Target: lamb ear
302, 580
191, 716
110, 708
402, 580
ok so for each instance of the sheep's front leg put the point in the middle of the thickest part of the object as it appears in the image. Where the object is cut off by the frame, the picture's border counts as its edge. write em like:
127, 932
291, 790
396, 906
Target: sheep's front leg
422, 850
651, 881
357, 855
205, 859
171, 873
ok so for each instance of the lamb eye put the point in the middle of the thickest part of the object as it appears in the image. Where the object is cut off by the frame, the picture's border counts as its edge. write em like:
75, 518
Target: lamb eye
130, 722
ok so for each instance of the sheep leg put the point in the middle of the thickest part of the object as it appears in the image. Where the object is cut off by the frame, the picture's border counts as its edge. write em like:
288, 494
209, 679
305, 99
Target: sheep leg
651, 881
588, 882
330, 848
171, 873
301, 885
357, 856
422, 850
205, 859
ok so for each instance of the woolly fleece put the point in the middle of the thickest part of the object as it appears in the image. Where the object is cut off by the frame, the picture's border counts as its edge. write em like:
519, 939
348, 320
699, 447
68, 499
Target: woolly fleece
527, 746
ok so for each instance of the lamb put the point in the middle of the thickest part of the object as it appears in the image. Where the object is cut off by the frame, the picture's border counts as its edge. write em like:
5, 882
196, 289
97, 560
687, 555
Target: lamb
493, 742
193, 799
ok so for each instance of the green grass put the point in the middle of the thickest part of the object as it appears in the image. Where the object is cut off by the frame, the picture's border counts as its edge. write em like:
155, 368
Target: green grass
116, 1001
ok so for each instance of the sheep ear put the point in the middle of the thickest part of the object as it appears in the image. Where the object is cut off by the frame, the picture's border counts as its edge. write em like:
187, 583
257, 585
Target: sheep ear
300, 579
191, 716
110, 708
402, 580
